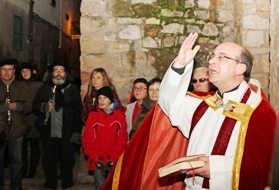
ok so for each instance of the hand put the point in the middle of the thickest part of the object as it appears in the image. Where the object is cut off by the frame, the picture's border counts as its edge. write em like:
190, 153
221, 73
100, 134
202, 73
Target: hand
203, 171
100, 165
186, 53
50, 106
109, 165
12, 106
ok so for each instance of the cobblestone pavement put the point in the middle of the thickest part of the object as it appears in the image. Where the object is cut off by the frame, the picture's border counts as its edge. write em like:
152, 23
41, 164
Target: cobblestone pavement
37, 184
82, 180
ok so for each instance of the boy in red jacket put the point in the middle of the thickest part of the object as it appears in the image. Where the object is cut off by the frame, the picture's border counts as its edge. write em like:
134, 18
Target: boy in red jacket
104, 137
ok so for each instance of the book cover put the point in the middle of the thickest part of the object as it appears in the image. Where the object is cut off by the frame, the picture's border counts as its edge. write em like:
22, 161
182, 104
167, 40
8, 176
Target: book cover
181, 165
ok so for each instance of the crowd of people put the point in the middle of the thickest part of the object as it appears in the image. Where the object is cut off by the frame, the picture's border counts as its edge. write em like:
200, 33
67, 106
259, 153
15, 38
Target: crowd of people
38, 116
49, 119
43, 120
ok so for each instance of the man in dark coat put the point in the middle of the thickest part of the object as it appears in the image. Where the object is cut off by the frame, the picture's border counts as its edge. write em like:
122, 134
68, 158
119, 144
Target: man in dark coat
58, 105
13, 105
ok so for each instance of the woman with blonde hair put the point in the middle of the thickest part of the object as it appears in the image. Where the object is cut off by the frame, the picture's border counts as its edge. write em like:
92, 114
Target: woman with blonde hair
98, 79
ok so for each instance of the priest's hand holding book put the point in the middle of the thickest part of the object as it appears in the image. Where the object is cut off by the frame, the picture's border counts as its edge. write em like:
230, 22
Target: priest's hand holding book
191, 165
203, 171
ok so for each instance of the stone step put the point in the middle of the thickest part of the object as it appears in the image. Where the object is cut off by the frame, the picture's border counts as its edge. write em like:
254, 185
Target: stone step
82, 181
37, 184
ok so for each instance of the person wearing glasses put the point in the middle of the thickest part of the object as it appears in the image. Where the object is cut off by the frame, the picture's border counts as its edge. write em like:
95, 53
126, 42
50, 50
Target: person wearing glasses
147, 103
58, 104
200, 80
234, 128
139, 92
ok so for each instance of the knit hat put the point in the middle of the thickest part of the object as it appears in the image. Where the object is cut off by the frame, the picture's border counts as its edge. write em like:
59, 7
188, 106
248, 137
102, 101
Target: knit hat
8, 62
58, 63
25, 65
105, 91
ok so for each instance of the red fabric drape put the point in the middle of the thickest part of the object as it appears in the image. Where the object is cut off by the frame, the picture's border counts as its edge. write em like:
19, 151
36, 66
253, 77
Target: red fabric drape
155, 144
166, 143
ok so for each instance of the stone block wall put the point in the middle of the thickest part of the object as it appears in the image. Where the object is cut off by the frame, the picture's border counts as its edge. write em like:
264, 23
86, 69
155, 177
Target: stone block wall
274, 54
254, 32
139, 38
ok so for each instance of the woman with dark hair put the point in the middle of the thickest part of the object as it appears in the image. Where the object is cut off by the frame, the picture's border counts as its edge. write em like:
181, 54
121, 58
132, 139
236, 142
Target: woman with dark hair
153, 88
32, 139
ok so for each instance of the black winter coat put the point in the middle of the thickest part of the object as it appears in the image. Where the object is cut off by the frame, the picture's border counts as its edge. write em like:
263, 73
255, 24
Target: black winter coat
71, 110
19, 93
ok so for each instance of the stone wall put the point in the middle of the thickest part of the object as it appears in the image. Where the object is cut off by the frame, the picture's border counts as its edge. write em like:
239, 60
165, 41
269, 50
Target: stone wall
255, 31
274, 57
139, 38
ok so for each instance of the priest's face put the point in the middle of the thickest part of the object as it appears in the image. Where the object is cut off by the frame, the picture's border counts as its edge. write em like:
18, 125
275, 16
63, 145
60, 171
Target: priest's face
225, 68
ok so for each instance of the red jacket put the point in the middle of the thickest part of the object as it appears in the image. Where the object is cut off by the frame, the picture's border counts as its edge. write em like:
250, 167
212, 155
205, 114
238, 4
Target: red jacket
105, 135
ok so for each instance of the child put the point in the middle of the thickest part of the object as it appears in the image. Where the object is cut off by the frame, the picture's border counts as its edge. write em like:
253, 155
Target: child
134, 109
105, 136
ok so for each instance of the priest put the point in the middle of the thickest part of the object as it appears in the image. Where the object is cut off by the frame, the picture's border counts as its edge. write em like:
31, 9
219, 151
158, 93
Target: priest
234, 127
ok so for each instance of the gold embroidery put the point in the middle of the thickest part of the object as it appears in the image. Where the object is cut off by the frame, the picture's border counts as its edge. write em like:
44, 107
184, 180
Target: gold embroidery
237, 111
244, 118
214, 101
232, 109
240, 112
228, 107
117, 173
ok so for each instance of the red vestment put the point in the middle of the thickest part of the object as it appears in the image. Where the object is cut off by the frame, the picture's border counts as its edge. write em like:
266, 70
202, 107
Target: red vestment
258, 148
157, 143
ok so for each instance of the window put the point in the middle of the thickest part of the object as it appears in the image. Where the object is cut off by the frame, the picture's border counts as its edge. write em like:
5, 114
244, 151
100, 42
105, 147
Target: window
18, 33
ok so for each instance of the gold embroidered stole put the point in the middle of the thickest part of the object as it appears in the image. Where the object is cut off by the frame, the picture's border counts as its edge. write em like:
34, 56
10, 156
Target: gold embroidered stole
117, 173
240, 112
